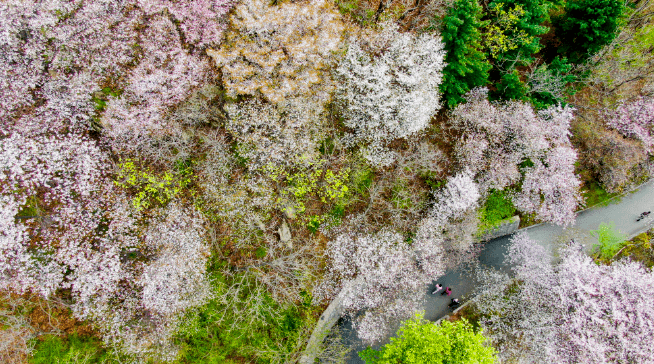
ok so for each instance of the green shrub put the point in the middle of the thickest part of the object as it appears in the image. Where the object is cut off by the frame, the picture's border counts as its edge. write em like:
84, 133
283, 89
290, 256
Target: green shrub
595, 194
511, 87
361, 178
314, 222
639, 250
252, 325
498, 206
420, 341
72, 349
152, 188
610, 240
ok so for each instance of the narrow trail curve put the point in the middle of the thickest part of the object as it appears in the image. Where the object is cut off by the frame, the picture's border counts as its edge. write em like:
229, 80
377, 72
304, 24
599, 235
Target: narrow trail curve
622, 210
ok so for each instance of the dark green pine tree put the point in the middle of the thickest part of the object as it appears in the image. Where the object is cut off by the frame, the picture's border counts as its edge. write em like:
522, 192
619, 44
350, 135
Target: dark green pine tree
587, 26
467, 66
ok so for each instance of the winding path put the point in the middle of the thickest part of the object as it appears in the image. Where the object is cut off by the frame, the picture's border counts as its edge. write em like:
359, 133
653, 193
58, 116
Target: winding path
622, 210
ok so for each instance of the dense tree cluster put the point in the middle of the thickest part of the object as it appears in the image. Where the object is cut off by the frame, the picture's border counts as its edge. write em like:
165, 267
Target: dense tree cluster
66, 225
507, 143
570, 310
178, 172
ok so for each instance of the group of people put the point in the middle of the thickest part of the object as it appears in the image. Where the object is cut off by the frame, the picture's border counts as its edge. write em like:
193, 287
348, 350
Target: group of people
448, 291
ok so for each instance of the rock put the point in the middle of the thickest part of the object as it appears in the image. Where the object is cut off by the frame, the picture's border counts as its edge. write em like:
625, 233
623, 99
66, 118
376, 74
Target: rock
285, 234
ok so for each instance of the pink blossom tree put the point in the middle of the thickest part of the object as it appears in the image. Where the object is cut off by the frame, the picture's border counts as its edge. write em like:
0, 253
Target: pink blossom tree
200, 20
166, 76
60, 55
496, 138
635, 120
570, 310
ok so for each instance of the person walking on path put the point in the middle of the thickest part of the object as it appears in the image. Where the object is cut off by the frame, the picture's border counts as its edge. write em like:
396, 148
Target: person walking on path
438, 288
455, 303
447, 291
644, 215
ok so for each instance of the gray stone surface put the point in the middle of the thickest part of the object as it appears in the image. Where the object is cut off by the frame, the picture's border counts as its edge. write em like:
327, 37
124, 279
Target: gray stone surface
505, 227
285, 234
327, 320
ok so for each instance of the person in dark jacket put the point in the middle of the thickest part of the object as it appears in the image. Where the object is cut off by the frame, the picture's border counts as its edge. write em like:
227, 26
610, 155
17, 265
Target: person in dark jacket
455, 303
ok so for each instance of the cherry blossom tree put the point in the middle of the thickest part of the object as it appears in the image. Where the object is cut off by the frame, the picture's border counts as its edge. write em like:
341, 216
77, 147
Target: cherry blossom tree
385, 277
497, 138
279, 135
570, 309
450, 226
550, 188
635, 119
393, 95
166, 76
200, 20
66, 227
381, 277
145, 56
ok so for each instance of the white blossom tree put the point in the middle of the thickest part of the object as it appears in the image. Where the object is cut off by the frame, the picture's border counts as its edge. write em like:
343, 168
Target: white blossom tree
550, 188
392, 95
279, 135
280, 50
570, 310
381, 275
280, 55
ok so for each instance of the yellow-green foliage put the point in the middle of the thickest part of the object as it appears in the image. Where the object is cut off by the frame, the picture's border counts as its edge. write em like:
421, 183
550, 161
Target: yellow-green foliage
325, 184
150, 187
638, 249
502, 35
335, 188
314, 222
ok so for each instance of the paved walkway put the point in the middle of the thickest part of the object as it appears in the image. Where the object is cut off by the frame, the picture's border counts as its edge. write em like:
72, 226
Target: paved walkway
623, 211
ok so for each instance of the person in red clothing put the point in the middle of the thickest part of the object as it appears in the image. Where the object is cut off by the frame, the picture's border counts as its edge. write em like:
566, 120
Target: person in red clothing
447, 291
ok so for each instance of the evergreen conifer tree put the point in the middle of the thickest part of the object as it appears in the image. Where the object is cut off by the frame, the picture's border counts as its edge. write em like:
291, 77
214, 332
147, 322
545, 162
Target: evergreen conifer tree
467, 66
587, 26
